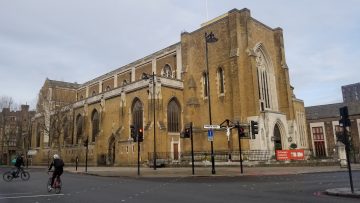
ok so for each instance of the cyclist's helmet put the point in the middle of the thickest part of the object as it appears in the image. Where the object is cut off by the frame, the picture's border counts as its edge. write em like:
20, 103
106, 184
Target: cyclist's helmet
56, 156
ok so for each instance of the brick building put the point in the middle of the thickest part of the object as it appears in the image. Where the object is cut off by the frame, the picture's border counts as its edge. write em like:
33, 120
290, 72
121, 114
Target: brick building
323, 124
15, 131
351, 93
248, 79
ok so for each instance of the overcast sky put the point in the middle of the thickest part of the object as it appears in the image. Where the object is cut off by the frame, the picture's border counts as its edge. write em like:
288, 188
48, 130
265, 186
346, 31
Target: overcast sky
76, 41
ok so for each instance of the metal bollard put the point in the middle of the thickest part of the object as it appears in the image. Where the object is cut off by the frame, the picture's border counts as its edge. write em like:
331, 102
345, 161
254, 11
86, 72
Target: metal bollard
76, 162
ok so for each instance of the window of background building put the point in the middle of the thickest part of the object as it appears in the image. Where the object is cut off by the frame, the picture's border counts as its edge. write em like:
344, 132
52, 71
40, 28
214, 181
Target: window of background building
173, 116
205, 84
95, 124
319, 141
79, 127
137, 114
221, 80
38, 135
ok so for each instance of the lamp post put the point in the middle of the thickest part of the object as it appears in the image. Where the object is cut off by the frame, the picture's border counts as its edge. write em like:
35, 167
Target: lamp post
147, 76
210, 38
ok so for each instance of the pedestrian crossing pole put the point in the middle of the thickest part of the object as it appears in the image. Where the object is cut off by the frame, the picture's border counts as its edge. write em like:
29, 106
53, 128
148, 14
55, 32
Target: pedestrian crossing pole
345, 124
240, 152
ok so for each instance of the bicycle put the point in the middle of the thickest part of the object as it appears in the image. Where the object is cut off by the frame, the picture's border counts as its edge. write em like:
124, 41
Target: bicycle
56, 185
12, 174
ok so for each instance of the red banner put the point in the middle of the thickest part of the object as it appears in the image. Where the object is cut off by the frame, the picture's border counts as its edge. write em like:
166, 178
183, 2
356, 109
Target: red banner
293, 154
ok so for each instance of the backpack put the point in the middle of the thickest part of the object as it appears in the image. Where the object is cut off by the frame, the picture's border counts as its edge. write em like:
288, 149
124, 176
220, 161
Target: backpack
59, 163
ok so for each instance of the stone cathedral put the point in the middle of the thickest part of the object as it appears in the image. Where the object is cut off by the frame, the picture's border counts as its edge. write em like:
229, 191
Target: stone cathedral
243, 74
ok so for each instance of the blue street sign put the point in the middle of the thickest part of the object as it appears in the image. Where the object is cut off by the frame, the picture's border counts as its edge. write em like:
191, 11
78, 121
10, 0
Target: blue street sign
210, 135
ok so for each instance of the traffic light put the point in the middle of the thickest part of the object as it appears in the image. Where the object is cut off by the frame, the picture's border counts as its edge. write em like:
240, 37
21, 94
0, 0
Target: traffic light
86, 142
254, 128
185, 133
344, 117
132, 133
140, 135
342, 138
241, 132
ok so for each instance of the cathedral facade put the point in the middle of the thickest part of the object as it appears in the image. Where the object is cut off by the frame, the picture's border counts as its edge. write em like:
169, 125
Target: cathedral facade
234, 62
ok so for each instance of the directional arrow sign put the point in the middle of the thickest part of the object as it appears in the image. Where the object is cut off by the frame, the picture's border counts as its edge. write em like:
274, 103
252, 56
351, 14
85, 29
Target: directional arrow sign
210, 135
212, 126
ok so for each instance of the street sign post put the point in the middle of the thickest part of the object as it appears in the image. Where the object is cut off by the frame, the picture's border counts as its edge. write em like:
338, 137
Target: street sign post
212, 126
210, 135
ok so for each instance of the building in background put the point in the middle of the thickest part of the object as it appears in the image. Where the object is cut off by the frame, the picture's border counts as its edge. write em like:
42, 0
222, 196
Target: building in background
248, 80
15, 132
351, 93
323, 124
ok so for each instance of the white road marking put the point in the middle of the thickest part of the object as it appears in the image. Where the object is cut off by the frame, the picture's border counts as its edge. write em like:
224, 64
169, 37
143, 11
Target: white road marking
19, 193
30, 196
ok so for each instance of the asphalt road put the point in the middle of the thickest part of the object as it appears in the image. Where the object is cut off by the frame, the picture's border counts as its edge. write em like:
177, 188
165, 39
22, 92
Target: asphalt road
85, 188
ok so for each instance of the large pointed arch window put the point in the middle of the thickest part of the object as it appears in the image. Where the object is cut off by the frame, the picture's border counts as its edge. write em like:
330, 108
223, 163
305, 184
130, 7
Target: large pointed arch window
95, 124
137, 114
38, 135
79, 127
264, 74
220, 75
66, 130
205, 84
173, 116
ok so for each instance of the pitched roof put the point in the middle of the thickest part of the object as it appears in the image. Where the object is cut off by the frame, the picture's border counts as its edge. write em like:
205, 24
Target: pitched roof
331, 110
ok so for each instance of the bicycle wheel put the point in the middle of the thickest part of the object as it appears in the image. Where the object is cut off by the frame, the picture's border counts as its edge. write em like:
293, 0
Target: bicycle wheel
25, 175
57, 186
48, 185
58, 189
7, 176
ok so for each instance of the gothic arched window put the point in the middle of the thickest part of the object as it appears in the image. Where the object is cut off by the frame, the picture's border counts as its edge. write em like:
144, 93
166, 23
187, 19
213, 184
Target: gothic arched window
79, 127
173, 116
95, 124
264, 75
137, 114
220, 75
205, 84
38, 135
65, 126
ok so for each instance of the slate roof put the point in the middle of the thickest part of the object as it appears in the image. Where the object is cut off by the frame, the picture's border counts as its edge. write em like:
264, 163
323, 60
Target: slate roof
330, 110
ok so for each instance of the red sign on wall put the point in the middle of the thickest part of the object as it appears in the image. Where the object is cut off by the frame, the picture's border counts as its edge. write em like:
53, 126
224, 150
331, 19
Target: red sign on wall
293, 154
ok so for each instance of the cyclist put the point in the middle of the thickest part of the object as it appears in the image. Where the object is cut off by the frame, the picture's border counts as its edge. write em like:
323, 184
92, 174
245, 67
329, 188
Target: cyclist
19, 162
58, 168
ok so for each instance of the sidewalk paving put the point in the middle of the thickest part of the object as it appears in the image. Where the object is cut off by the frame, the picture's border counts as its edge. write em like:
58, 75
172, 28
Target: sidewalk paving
205, 171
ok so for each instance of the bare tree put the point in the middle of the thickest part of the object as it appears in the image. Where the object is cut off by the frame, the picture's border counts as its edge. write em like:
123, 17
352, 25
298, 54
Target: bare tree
8, 102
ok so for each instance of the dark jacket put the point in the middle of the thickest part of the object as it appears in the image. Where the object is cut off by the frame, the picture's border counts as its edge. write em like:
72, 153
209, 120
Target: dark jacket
19, 162
58, 165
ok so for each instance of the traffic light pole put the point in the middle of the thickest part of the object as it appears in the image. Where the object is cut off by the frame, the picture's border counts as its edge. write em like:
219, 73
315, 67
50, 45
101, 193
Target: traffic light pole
86, 154
240, 152
347, 150
138, 158
345, 123
192, 149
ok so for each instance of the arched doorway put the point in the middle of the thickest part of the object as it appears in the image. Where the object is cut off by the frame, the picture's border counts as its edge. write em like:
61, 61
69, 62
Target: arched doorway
277, 137
111, 151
